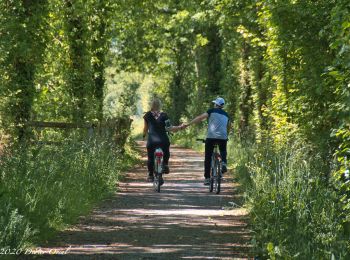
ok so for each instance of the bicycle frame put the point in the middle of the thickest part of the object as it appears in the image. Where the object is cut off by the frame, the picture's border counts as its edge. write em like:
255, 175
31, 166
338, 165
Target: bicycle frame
215, 169
158, 168
215, 172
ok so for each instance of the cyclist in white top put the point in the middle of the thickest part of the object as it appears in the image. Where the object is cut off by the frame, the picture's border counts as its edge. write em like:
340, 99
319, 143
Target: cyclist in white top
218, 129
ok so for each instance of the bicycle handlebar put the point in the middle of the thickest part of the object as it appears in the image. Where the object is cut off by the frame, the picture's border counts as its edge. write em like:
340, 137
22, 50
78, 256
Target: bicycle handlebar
202, 140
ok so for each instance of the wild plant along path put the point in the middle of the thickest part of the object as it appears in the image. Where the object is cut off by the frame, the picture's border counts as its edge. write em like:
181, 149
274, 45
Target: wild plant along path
183, 221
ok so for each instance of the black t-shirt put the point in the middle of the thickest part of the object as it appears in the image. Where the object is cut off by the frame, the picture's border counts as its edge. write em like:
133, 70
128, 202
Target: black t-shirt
156, 129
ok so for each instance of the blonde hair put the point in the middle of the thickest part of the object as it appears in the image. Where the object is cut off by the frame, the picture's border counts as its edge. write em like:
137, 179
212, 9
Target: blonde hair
156, 104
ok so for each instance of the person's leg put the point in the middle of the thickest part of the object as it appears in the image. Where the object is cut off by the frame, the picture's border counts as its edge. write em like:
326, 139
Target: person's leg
166, 150
223, 153
223, 149
209, 147
150, 162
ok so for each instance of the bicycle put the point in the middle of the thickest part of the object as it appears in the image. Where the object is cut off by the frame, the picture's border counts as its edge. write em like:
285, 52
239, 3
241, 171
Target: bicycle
158, 163
215, 169
158, 169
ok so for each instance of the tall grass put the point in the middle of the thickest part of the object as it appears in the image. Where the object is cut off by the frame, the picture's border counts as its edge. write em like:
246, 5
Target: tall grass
294, 211
45, 187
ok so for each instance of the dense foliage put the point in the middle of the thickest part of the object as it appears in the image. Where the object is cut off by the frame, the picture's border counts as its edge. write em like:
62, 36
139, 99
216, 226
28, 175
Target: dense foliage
54, 56
282, 66
45, 188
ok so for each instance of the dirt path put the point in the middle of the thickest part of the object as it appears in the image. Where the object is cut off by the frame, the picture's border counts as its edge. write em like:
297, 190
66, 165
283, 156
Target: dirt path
184, 221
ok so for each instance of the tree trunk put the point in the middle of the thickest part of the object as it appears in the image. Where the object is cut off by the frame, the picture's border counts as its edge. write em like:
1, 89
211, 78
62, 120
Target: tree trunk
262, 94
25, 51
213, 62
246, 92
78, 76
99, 51
208, 70
177, 92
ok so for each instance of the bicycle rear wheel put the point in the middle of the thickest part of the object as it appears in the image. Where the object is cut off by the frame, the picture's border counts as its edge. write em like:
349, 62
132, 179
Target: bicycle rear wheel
158, 173
159, 183
211, 180
218, 178
156, 183
218, 185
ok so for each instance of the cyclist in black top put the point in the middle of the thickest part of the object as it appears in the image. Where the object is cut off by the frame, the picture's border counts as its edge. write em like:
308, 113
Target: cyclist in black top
155, 127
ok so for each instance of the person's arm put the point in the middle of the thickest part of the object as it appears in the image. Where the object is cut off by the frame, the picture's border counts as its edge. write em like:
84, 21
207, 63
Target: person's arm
145, 129
198, 119
174, 128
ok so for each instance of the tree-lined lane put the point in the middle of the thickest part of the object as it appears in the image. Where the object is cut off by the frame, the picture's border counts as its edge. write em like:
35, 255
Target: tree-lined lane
184, 221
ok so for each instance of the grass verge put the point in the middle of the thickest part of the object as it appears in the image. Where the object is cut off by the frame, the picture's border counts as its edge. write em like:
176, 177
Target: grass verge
45, 188
295, 211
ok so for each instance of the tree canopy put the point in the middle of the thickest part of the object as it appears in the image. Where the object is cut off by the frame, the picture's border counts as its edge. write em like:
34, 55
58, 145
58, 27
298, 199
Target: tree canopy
283, 67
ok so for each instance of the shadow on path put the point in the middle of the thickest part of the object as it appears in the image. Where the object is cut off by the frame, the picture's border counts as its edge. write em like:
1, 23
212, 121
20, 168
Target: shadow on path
183, 221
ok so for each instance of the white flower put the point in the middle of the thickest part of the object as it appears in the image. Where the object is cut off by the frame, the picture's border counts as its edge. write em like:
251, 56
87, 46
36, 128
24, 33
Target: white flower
347, 173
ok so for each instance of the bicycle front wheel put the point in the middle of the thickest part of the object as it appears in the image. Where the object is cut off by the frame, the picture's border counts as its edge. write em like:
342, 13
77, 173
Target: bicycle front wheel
218, 178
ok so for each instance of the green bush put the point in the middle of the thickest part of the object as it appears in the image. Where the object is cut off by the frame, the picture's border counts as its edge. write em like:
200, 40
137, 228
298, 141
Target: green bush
15, 229
45, 187
294, 211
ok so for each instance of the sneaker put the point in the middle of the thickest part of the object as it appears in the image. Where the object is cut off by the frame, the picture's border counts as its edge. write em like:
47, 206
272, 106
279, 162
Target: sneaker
224, 167
207, 181
150, 178
165, 169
